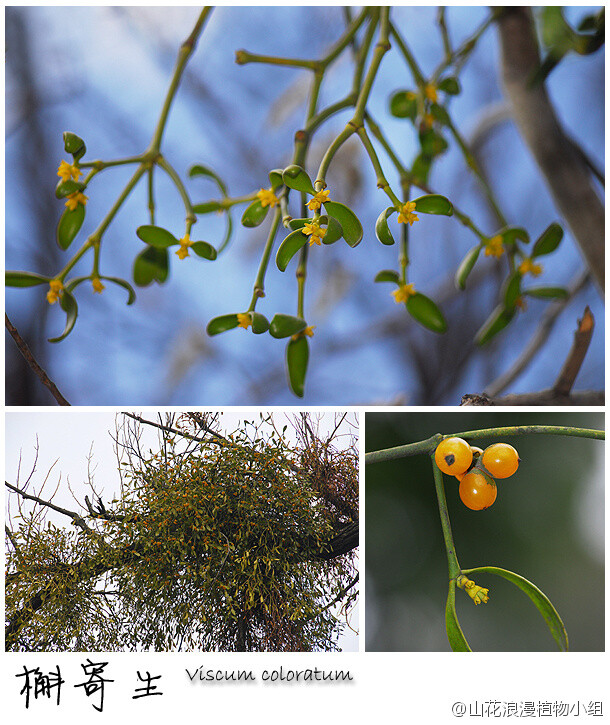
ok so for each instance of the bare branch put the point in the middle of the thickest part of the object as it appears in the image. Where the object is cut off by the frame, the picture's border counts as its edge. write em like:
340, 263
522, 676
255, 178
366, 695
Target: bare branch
567, 174
32, 362
576, 356
77, 518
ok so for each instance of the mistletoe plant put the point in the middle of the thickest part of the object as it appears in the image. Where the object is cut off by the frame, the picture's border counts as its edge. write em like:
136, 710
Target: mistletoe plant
321, 218
476, 470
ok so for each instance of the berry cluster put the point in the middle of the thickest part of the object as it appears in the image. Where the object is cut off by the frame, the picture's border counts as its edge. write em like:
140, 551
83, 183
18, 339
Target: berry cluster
476, 469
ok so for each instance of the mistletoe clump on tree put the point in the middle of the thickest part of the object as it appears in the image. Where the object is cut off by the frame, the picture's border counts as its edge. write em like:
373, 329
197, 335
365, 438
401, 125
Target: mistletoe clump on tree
238, 543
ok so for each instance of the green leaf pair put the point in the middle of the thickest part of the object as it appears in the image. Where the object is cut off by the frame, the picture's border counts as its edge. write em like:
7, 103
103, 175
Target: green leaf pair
258, 322
152, 264
456, 637
421, 308
427, 204
74, 145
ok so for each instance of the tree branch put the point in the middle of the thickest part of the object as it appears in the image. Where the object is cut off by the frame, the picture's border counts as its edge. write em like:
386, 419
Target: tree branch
32, 362
567, 174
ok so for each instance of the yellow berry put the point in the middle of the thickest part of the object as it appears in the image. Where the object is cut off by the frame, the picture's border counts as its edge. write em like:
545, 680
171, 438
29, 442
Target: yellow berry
478, 490
453, 456
501, 460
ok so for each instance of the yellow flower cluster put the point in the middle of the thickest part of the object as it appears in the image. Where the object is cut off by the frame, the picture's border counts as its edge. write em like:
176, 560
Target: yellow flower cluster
320, 198
54, 293
183, 250
73, 200
97, 285
244, 320
268, 198
529, 266
406, 215
315, 232
476, 593
494, 247
431, 93
67, 171
307, 332
403, 293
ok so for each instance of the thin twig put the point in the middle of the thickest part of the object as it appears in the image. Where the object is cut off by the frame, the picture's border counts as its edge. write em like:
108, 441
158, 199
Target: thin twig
32, 362
576, 356
77, 518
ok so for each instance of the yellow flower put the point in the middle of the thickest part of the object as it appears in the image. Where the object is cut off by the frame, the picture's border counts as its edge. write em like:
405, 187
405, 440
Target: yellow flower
315, 232
54, 293
494, 247
430, 92
529, 266
244, 320
66, 171
476, 593
406, 215
97, 285
185, 243
320, 198
267, 198
73, 200
403, 293
308, 331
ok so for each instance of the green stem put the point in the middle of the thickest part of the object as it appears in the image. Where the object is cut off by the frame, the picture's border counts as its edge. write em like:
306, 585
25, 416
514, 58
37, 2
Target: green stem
243, 57
151, 194
382, 47
186, 49
99, 165
452, 561
382, 182
259, 282
426, 446
171, 172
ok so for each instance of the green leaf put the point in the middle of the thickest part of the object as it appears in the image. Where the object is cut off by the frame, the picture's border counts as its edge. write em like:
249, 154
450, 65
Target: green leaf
382, 230
423, 310
494, 324
548, 241
221, 324
297, 357
334, 230
125, 285
539, 599
156, 236
228, 232
275, 178
260, 323
208, 207
512, 290
254, 214
450, 85
433, 204
295, 224
387, 275
24, 279
440, 114
69, 225
432, 143
547, 292
403, 104
352, 228
466, 267
69, 306
455, 635
65, 188
512, 234
151, 265
74, 145
294, 177
288, 248
420, 170
205, 250
201, 170
286, 326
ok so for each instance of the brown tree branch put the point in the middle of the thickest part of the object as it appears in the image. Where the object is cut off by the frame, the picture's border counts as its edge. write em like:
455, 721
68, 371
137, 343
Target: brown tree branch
32, 362
576, 356
567, 174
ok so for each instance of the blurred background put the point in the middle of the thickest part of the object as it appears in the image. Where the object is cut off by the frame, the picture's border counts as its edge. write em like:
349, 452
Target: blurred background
547, 524
102, 72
